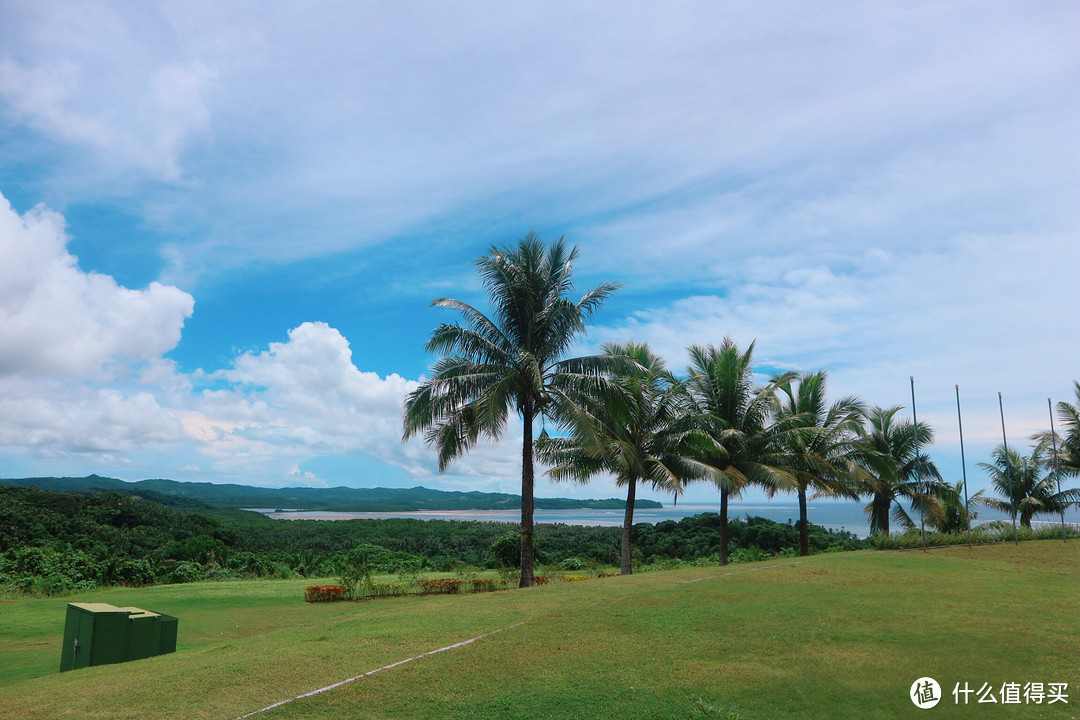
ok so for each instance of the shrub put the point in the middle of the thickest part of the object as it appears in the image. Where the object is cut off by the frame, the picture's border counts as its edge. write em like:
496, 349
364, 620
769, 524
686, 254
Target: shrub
394, 588
573, 563
748, 554
430, 586
485, 584
135, 573
324, 593
573, 578
540, 580
187, 571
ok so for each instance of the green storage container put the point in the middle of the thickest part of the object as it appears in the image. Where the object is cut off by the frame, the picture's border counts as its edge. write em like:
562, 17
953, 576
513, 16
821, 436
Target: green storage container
99, 634
168, 633
144, 634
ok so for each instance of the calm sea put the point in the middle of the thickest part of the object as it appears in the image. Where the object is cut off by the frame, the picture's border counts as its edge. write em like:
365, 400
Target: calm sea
835, 515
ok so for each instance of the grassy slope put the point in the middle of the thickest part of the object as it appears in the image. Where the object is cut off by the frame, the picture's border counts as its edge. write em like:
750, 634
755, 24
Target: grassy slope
840, 635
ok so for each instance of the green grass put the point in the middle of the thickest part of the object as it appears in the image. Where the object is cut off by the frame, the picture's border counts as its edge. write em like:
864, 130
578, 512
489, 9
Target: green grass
832, 636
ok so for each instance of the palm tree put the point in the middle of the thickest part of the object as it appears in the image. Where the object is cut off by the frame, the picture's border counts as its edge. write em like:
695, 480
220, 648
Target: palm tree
1069, 448
630, 432
897, 469
824, 455
512, 360
1024, 487
956, 516
735, 440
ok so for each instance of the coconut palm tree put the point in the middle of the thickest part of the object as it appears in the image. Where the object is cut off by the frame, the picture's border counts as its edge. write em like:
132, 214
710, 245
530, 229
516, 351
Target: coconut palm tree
897, 469
956, 515
1026, 489
736, 441
824, 455
1069, 447
511, 360
630, 432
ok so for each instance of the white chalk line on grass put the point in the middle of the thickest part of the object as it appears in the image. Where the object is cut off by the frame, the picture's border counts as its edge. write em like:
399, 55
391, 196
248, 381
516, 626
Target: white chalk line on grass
467, 642
384, 667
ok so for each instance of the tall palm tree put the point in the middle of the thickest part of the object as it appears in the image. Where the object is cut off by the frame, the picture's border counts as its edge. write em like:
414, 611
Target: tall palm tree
736, 441
897, 469
1069, 449
1025, 489
823, 455
511, 360
631, 432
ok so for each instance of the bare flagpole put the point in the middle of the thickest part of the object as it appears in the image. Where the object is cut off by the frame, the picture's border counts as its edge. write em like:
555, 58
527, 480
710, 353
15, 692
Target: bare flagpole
1054, 465
1008, 470
963, 465
918, 467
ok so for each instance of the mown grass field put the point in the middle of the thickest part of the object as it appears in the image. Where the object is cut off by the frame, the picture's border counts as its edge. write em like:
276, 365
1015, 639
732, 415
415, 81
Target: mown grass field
831, 636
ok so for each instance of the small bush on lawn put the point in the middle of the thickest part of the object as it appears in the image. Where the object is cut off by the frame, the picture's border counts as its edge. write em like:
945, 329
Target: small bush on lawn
573, 578
394, 588
430, 586
324, 593
486, 584
540, 580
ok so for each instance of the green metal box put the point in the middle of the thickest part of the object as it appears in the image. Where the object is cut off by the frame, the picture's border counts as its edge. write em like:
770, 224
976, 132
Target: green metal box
168, 633
99, 634
144, 634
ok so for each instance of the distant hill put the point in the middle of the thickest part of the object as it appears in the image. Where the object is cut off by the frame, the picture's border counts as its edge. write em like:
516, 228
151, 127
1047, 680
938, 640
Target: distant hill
338, 499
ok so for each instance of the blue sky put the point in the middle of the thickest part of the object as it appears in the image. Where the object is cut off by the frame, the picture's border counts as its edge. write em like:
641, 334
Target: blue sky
222, 224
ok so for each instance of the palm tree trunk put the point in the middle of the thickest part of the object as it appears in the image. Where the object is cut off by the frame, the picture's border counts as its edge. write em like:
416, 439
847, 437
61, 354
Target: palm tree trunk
886, 509
628, 522
804, 529
527, 482
723, 526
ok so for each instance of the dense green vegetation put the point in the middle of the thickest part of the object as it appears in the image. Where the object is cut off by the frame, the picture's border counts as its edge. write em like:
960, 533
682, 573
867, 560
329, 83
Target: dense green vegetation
339, 499
830, 636
53, 542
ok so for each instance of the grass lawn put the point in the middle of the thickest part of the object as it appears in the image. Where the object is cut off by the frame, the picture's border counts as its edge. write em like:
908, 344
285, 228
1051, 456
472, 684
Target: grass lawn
831, 636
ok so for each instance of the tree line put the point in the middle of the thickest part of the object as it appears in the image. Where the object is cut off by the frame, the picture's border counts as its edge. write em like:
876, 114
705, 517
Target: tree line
622, 413
58, 542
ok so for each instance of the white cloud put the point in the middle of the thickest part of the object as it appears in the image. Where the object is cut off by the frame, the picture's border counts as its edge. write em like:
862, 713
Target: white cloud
80, 356
379, 120
299, 398
56, 319
58, 418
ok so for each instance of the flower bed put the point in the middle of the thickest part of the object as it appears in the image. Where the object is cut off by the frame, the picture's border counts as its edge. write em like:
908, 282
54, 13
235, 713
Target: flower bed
324, 593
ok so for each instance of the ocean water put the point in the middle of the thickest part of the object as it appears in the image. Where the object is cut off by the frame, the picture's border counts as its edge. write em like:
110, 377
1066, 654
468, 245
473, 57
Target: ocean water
847, 516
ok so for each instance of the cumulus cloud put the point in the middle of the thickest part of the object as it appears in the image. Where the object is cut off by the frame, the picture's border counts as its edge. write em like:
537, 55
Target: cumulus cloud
302, 397
80, 356
56, 418
57, 320
83, 373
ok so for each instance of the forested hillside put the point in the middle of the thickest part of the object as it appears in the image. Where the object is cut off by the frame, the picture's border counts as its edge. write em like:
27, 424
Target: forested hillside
339, 499
54, 542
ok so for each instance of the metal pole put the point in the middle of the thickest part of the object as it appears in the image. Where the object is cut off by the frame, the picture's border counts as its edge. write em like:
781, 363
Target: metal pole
918, 468
1008, 470
963, 465
1054, 464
